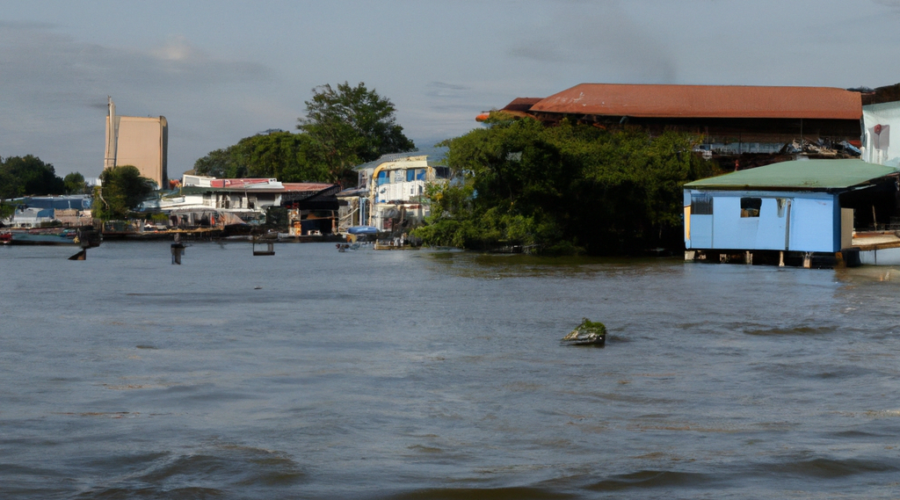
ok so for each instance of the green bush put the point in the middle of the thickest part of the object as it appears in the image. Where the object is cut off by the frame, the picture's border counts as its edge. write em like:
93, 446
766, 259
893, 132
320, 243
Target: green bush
563, 189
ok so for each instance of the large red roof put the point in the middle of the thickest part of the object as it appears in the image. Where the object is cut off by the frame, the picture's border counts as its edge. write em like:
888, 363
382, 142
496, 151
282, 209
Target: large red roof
522, 103
704, 101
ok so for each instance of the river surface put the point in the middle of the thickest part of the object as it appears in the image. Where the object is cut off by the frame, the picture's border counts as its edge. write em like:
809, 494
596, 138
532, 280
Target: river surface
421, 374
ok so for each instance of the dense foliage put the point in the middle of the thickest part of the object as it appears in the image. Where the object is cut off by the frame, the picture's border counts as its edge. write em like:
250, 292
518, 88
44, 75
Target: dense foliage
351, 125
23, 176
285, 156
343, 127
75, 184
122, 190
28, 175
563, 189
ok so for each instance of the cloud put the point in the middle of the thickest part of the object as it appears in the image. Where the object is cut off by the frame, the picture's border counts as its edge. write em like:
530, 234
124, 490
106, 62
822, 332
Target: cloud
176, 49
443, 90
890, 3
25, 25
53, 91
34, 56
537, 50
600, 36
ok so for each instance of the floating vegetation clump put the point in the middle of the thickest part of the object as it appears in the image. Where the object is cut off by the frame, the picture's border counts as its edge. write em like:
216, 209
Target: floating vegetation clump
587, 333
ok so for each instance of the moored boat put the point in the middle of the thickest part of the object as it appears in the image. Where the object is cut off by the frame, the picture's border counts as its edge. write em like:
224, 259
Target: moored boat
54, 236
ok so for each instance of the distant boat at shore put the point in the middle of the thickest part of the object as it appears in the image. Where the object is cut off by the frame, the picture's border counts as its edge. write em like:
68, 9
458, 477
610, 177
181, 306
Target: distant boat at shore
50, 236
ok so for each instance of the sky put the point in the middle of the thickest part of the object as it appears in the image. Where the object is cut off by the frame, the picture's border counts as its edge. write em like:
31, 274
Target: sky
227, 69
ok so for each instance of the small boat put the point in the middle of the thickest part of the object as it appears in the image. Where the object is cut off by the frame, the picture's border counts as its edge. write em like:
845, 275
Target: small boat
343, 247
44, 237
84, 237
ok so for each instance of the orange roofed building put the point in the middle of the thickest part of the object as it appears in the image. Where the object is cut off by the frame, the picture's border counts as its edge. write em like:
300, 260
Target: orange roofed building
756, 125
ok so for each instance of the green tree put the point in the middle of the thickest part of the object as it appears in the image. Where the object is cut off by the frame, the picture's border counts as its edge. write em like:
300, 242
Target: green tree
9, 185
221, 163
28, 175
74, 183
351, 125
564, 188
6, 191
122, 189
285, 156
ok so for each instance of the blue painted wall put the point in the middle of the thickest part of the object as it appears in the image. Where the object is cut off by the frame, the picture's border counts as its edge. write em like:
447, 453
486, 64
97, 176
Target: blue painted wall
806, 222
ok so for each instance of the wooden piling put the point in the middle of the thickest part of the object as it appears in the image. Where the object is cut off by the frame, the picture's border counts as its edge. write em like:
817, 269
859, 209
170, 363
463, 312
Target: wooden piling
177, 252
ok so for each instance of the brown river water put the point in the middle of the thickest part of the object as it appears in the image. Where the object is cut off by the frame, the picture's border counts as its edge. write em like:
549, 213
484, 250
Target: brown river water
439, 375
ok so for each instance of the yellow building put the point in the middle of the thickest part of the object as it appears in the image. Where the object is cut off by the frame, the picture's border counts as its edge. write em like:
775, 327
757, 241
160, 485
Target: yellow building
139, 141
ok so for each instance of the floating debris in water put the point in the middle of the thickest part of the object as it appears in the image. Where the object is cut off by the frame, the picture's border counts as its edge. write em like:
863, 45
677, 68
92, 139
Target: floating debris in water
587, 333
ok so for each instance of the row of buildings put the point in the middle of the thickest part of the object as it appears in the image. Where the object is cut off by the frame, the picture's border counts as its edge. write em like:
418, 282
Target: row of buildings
814, 169
37, 211
390, 197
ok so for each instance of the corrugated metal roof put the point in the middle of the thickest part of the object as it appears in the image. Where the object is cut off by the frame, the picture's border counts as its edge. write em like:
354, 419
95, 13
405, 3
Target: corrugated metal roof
388, 158
704, 101
522, 103
286, 187
306, 186
802, 174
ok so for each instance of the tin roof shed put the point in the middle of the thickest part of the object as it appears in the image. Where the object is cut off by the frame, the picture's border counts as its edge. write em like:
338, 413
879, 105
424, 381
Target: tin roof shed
813, 175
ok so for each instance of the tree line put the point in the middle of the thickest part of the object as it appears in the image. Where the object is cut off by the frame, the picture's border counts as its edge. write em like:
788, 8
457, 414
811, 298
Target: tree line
344, 126
29, 176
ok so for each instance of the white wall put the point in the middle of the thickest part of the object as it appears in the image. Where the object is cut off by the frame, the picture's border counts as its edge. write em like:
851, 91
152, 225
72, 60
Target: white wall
882, 148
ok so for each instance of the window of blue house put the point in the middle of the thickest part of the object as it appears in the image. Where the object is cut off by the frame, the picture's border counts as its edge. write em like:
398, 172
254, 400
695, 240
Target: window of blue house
750, 207
701, 204
383, 178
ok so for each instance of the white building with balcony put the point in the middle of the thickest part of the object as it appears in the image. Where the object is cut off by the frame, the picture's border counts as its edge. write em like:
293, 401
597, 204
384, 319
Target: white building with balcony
391, 191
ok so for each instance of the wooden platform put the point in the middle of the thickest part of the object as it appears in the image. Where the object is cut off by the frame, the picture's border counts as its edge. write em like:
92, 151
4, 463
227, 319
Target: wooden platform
379, 246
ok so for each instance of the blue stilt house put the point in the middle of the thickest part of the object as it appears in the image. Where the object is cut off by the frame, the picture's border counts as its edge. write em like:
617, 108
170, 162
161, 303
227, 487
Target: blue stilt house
791, 209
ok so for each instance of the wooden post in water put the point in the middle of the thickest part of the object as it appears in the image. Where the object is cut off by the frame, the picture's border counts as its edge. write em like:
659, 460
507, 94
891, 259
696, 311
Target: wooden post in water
270, 246
84, 241
177, 250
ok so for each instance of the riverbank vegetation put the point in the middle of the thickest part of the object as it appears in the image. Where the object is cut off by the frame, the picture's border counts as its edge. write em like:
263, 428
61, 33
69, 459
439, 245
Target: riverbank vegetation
344, 126
564, 189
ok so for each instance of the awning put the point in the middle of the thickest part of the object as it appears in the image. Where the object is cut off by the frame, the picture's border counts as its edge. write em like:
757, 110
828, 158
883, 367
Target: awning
363, 230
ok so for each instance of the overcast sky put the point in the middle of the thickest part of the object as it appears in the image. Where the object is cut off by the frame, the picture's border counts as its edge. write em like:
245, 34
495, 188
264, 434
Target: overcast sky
225, 69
